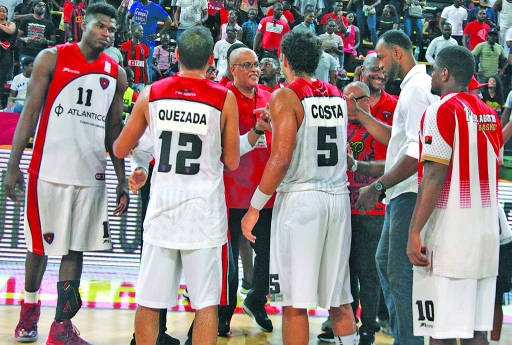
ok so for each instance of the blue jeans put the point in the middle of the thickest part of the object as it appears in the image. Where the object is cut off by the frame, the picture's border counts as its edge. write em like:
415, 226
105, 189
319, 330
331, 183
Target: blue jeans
395, 269
360, 24
408, 26
371, 20
178, 34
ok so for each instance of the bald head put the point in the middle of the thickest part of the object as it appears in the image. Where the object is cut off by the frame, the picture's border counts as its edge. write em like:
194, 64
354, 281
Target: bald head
245, 68
359, 89
237, 54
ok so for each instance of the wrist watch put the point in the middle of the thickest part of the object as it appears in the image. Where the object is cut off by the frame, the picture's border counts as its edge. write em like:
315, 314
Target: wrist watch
379, 187
257, 131
354, 166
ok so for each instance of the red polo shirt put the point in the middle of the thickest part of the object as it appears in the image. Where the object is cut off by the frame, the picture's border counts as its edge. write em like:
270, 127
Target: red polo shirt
241, 183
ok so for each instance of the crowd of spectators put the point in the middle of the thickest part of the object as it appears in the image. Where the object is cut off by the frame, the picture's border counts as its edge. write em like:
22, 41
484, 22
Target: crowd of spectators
347, 31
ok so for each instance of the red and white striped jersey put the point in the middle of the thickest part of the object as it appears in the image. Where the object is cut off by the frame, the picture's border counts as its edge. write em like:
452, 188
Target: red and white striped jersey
463, 233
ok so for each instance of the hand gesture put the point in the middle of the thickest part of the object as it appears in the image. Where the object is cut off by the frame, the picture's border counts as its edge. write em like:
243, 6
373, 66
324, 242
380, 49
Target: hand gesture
13, 181
137, 180
248, 221
123, 199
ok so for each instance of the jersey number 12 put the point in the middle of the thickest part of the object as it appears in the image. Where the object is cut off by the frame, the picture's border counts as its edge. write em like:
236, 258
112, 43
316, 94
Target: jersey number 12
194, 152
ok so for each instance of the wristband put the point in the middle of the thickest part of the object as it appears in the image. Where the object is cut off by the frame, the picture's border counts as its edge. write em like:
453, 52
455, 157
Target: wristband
257, 131
259, 199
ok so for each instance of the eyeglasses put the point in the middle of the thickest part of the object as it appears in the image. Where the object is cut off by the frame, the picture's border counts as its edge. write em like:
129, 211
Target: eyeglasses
247, 65
212, 70
360, 97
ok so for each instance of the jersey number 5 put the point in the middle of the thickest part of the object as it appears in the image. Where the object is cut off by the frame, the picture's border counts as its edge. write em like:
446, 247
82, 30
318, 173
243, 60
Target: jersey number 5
181, 158
323, 145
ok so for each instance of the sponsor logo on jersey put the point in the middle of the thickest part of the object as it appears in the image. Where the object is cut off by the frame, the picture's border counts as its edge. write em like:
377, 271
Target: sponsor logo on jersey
135, 63
428, 140
49, 237
99, 176
104, 82
108, 67
386, 114
426, 325
65, 69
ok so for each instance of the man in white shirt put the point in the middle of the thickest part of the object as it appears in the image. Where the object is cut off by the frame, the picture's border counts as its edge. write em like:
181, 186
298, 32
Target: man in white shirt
504, 11
440, 43
399, 184
221, 48
458, 17
19, 85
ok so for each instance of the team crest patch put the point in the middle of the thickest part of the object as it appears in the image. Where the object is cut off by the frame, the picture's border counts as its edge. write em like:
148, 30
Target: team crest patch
386, 115
428, 140
104, 82
49, 237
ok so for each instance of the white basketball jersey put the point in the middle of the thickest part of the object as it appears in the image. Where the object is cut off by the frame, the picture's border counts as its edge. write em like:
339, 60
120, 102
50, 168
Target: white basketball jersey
319, 160
187, 208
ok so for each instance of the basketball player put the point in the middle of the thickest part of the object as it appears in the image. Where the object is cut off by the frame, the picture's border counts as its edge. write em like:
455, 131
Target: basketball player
193, 123
455, 257
75, 97
310, 231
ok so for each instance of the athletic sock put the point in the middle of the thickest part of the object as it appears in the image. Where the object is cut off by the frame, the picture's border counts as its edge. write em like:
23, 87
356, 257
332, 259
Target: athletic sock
349, 339
31, 297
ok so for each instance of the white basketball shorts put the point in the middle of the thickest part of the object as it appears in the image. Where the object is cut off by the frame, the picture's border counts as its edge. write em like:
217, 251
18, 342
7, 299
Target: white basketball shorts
160, 272
309, 250
60, 218
448, 308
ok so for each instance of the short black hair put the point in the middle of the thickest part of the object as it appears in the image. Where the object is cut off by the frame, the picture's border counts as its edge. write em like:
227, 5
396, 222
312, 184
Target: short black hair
134, 26
459, 62
27, 61
396, 38
195, 47
234, 47
302, 50
101, 8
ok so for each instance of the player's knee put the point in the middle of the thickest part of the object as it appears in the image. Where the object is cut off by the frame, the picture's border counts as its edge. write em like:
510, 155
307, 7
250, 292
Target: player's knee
68, 301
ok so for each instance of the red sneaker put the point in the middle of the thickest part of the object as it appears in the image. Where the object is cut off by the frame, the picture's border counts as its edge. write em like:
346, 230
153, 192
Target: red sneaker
64, 333
26, 330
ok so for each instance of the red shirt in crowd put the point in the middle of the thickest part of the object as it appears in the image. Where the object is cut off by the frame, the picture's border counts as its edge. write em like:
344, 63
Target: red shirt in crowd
136, 55
477, 33
273, 32
366, 148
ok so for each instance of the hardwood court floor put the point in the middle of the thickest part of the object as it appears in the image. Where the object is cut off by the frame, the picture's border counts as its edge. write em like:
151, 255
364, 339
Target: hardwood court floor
115, 327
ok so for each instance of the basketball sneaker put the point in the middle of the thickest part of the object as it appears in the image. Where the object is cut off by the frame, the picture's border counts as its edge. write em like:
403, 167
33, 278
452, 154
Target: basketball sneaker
64, 333
258, 314
26, 330
326, 325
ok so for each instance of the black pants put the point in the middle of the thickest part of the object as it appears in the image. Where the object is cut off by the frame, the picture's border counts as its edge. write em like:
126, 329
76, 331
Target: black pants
259, 288
364, 280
